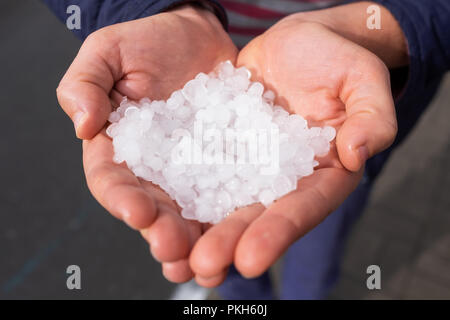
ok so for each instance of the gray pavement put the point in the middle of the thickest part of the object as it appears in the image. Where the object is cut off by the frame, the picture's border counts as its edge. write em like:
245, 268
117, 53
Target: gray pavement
50, 221
406, 227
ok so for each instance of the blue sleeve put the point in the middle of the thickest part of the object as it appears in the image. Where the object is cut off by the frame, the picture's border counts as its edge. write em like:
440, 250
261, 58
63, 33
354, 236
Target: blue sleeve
426, 26
96, 14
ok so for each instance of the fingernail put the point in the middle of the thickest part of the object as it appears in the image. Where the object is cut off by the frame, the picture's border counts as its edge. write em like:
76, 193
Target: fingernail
204, 279
200, 278
363, 153
77, 119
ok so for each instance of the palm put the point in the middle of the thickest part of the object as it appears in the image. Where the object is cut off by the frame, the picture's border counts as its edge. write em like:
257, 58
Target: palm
322, 77
159, 54
310, 73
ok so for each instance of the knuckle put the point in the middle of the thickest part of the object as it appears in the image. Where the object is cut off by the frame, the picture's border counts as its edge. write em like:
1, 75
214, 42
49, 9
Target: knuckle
100, 180
389, 133
60, 92
100, 39
379, 67
63, 97
392, 130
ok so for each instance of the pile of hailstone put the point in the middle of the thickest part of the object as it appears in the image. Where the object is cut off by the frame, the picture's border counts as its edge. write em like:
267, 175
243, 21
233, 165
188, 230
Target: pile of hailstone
148, 135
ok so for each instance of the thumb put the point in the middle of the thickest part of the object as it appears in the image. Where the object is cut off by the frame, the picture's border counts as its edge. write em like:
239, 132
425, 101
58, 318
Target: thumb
83, 93
371, 125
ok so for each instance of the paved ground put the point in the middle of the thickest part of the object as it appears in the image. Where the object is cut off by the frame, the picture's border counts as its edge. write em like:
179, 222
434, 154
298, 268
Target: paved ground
406, 228
50, 221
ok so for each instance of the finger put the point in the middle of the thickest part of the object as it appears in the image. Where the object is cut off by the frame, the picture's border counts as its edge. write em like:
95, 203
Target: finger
115, 98
168, 236
114, 186
212, 282
371, 124
83, 93
292, 216
178, 271
214, 251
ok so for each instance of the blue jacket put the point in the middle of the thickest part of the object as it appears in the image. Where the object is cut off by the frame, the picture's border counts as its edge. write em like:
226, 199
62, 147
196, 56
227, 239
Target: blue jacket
425, 23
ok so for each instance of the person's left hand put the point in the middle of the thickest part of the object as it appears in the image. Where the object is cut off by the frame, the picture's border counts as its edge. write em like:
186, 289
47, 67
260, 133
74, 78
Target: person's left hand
329, 80
148, 57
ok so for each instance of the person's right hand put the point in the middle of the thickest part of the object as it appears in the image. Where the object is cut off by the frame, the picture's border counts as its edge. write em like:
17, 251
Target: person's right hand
150, 57
330, 81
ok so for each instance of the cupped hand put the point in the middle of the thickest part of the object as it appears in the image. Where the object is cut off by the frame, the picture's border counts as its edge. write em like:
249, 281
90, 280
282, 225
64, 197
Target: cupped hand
150, 57
329, 81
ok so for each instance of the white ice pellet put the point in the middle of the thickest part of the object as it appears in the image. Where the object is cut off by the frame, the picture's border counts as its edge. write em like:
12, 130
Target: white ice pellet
147, 135
266, 197
155, 163
222, 117
224, 200
320, 145
269, 95
176, 100
202, 77
328, 133
283, 185
158, 106
233, 184
226, 70
114, 117
256, 89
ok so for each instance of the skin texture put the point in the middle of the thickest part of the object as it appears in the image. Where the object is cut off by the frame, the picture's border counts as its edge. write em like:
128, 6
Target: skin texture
350, 21
147, 57
314, 69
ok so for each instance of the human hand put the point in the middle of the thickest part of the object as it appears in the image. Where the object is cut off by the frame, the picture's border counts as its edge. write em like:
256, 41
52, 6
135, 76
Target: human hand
150, 57
329, 80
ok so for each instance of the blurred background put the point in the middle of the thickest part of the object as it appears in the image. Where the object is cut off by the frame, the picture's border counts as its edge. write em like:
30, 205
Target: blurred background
50, 220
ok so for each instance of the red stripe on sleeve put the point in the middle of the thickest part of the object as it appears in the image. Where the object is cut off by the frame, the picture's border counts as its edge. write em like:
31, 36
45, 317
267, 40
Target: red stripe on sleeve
248, 31
250, 10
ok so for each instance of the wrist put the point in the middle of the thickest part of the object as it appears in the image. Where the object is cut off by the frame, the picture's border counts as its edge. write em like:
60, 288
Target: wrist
199, 13
206, 31
350, 22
